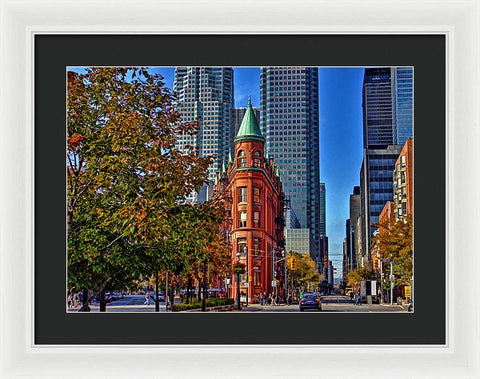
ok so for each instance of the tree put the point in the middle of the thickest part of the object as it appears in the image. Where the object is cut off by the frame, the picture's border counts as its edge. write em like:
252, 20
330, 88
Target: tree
125, 177
395, 243
305, 275
363, 273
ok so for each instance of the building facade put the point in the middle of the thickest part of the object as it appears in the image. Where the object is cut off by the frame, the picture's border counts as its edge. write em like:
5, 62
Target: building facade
205, 96
387, 102
254, 201
403, 182
289, 121
403, 95
323, 269
323, 210
351, 230
375, 190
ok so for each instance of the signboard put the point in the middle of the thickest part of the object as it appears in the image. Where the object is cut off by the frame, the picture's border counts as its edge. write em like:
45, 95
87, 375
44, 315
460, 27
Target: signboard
274, 283
408, 292
363, 288
373, 290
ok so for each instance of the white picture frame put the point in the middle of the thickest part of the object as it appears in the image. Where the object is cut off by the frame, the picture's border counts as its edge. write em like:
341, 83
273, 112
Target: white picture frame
22, 20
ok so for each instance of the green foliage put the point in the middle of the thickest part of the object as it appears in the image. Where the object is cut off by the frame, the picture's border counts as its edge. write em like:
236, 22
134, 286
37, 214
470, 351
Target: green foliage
208, 302
306, 272
395, 242
363, 273
126, 182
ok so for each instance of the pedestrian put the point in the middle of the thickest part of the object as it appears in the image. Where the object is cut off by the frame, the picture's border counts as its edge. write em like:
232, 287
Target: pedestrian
273, 299
147, 299
357, 299
261, 299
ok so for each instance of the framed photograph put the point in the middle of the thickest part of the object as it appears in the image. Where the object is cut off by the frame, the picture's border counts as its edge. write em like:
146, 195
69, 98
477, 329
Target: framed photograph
52, 58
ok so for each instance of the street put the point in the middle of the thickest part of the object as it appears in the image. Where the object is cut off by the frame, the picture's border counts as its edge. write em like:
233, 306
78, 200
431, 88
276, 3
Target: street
130, 303
331, 303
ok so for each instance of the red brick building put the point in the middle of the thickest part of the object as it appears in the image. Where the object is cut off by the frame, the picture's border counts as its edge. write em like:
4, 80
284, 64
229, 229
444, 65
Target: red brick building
252, 189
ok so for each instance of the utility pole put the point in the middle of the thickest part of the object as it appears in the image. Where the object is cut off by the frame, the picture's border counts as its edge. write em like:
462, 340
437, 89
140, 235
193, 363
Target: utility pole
204, 288
157, 301
166, 292
285, 286
273, 273
381, 281
391, 282
248, 278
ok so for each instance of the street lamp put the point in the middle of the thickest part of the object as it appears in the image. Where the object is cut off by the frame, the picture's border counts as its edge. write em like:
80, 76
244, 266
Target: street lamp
285, 288
238, 283
274, 283
245, 249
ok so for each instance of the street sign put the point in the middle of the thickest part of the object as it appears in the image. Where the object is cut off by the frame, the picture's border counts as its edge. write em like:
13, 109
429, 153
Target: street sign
274, 283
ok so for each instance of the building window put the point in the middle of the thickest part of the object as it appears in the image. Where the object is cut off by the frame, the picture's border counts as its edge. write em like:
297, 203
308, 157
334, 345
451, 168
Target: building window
242, 219
242, 159
256, 158
256, 278
241, 244
256, 195
256, 219
256, 246
242, 194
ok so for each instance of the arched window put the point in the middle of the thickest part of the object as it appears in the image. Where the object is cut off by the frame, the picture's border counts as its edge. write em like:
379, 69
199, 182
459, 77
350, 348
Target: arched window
242, 159
256, 158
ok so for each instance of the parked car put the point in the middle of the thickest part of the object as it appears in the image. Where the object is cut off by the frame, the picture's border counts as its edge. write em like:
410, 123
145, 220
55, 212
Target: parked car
310, 300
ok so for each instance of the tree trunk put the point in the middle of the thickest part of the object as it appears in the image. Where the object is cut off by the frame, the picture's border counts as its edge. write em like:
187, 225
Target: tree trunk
189, 288
103, 301
204, 297
85, 307
157, 299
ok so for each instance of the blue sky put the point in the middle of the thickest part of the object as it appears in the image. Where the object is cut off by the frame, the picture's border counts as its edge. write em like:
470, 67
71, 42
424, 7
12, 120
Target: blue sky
340, 100
340, 95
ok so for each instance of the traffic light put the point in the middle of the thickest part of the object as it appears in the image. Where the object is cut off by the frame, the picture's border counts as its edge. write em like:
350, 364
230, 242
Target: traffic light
375, 265
292, 267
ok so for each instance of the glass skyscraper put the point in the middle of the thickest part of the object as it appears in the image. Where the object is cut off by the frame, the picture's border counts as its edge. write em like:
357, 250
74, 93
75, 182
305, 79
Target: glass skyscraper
387, 106
205, 95
289, 121
387, 123
403, 94
323, 213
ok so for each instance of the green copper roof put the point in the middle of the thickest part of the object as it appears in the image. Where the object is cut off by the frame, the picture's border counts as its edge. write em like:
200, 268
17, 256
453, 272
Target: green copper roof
249, 129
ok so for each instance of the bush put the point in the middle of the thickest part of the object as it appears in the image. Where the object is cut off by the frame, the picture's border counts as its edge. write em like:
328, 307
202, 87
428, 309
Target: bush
209, 303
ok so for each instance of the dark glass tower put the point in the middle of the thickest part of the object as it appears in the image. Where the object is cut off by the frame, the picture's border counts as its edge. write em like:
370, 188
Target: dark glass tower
387, 121
323, 212
289, 120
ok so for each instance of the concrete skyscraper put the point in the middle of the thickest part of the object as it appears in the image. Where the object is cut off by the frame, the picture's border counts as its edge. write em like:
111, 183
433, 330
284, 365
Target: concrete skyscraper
289, 121
205, 95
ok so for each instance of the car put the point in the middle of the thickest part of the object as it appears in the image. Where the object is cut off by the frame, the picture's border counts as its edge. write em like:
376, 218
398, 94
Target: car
310, 300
